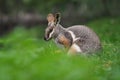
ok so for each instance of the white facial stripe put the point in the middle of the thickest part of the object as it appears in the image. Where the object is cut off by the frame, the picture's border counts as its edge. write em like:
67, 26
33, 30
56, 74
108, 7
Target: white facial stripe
77, 48
50, 35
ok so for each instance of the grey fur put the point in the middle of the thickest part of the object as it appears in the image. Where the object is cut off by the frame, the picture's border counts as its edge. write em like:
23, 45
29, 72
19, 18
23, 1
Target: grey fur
87, 40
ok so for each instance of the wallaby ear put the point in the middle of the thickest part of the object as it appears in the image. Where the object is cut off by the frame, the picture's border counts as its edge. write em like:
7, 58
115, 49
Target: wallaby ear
57, 18
50, 18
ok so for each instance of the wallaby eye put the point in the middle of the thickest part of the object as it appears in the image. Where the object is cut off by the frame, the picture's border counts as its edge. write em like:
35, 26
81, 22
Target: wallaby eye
51, 29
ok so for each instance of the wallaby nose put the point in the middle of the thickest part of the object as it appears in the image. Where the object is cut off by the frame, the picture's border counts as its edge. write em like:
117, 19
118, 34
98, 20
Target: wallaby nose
45, 38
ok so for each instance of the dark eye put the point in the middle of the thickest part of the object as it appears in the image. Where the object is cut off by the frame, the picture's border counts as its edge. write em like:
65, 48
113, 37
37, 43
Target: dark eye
51, 30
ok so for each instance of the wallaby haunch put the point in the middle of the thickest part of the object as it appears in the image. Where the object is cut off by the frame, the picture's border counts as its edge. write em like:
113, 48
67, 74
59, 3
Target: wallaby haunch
77, 39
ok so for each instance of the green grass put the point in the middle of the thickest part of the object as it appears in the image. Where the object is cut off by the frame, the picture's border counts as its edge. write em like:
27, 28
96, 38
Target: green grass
24, 55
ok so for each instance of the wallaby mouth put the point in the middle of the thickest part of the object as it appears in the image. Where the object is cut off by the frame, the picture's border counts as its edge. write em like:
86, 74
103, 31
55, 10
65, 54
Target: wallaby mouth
46, 39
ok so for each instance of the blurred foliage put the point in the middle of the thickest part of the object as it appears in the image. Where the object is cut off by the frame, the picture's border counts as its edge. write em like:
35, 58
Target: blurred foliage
24, 55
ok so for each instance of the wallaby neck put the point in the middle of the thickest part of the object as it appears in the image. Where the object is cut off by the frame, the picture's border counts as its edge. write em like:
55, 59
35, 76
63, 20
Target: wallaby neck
58, 29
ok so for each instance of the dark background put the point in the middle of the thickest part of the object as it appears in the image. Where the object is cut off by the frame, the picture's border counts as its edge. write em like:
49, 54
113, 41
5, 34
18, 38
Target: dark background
33, 12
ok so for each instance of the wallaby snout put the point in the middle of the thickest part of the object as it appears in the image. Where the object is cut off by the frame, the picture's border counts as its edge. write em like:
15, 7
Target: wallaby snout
48, 33
45, 38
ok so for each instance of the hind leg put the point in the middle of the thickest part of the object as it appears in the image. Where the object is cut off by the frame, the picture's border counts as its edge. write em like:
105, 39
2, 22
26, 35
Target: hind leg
74, 49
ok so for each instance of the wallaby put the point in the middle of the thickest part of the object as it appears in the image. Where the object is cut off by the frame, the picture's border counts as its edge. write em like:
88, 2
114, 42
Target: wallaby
77, 39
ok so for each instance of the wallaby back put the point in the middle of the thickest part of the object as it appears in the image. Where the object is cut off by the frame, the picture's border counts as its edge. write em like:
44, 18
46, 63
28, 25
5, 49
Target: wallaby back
87, 39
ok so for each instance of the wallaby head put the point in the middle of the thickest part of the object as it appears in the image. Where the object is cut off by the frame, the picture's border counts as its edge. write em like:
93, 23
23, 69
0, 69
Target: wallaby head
53, 21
